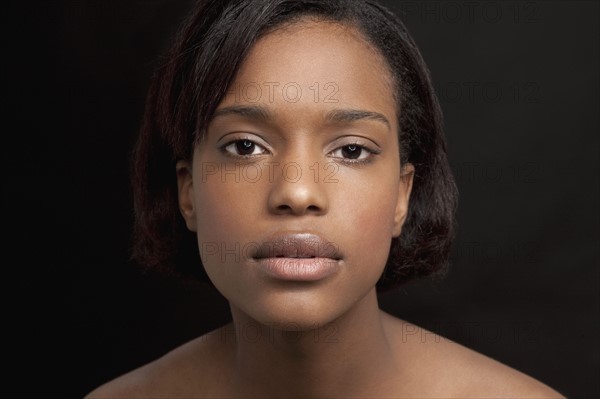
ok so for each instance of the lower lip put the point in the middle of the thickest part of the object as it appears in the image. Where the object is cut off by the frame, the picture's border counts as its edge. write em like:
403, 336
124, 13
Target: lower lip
298, 269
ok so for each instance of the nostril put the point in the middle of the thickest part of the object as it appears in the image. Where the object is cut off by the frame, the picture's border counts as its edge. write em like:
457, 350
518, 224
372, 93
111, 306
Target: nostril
298, 210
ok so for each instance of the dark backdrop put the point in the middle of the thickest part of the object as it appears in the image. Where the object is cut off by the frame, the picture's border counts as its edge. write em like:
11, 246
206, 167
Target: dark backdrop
518, 82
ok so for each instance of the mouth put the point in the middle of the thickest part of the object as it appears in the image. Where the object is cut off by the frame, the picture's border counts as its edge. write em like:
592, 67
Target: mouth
297, 257
297, 246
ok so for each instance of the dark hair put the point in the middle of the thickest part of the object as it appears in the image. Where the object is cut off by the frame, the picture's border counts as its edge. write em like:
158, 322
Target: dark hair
194, 77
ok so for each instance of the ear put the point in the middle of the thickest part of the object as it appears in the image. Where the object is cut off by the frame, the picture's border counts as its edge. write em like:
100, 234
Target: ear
404, 188
185, 191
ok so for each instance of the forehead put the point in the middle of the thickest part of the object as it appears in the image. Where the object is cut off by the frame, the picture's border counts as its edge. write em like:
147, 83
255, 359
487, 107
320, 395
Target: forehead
328, 62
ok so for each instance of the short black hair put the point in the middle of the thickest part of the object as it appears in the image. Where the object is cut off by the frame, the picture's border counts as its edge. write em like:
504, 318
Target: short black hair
196, 73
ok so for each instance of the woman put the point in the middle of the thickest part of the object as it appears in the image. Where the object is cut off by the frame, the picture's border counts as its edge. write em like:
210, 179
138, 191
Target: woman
293, 153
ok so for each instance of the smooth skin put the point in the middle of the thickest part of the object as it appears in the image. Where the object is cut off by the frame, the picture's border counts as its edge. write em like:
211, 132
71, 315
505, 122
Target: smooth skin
325, 338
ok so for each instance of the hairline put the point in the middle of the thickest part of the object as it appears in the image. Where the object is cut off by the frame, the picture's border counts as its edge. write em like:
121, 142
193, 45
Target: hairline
351, 26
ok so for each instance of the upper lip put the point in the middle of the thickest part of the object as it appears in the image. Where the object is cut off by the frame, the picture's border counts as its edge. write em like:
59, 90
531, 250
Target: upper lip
297, 245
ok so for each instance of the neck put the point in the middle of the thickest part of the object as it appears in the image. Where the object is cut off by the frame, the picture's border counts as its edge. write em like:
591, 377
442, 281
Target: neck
348, 357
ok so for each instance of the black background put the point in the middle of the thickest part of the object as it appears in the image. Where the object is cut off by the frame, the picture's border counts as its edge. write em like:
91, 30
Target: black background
518, 83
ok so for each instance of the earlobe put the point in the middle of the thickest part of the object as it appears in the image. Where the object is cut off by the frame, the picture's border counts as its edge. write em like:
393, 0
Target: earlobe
404, 190
185, 193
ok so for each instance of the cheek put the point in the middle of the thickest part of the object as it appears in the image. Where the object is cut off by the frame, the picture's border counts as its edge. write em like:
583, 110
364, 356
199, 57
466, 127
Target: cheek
214, 211
218, 228
221, 209
227, 213
376, 231
372, 214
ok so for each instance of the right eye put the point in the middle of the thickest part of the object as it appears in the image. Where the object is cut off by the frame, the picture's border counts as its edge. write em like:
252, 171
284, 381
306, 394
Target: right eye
243, 148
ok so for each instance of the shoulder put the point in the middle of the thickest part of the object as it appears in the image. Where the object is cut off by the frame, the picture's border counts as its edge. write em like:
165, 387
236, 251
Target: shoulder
194, 369
481, 376
135, 384
448, 369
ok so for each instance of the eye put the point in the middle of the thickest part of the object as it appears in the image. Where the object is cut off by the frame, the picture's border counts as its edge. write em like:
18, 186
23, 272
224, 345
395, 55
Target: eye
353, 153
243, 147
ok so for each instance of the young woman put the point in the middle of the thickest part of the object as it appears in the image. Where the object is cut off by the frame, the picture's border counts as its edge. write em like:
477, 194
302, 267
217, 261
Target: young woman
292, 152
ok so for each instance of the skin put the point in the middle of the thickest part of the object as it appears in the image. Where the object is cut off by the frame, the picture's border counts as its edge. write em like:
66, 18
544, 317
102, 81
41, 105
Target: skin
325, 338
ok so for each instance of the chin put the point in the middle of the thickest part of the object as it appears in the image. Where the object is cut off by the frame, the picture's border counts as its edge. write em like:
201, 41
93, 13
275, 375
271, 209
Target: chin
298, 308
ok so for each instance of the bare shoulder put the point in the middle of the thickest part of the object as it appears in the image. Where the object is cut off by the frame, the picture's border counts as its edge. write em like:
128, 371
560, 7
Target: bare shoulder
448, 369
194, 369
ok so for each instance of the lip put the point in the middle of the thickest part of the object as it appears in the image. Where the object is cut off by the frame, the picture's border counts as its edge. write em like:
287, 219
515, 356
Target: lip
297, 257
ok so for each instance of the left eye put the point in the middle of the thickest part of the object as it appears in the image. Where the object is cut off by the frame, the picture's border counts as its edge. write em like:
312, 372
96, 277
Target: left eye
244, 147
352, 151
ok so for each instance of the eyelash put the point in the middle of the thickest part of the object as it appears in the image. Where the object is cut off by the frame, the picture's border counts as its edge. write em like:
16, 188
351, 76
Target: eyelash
356, 162
348, 161
223, 148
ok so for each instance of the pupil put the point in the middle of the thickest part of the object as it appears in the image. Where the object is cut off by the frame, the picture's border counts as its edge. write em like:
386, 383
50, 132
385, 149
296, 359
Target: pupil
351, 151
245, 147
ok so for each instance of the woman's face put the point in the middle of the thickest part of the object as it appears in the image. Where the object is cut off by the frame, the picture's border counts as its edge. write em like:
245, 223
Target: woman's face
296, 190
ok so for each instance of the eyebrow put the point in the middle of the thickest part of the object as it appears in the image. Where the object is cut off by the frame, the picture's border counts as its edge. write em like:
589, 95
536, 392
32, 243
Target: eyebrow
248, 111
353, 115
337, 115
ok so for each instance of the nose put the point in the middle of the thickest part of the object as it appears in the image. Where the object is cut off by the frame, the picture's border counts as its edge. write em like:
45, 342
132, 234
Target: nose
298, 191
